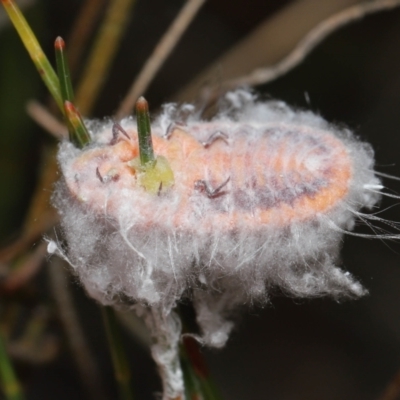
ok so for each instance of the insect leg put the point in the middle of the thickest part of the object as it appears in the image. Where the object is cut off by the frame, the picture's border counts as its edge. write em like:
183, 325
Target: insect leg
116, 130
171, 128
99, 175
215, 136
204, 186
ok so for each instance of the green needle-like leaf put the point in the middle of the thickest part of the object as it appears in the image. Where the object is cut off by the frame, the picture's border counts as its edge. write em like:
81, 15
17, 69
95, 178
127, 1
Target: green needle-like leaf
79, 135
11, 386
40, 60
64, 75
118, 354
144, 132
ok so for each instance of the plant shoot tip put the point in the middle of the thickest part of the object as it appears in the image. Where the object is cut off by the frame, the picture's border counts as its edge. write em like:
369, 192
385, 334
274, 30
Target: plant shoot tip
69, 106
59, 43
142, 104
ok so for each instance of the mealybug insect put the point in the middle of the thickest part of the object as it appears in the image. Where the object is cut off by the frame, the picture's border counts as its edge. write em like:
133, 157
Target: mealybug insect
256, 199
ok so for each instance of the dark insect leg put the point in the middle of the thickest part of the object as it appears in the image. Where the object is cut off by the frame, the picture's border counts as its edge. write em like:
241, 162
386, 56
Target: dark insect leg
215, 136
171, 128
159, 189
99, 175
204, 186
116, 130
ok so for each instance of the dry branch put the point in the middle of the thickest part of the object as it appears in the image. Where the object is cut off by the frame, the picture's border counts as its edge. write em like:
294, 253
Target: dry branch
310, 41
159, 55
281, 43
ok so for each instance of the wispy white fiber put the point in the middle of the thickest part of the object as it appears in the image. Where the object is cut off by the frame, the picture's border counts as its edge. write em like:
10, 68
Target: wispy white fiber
166, 332
263, 206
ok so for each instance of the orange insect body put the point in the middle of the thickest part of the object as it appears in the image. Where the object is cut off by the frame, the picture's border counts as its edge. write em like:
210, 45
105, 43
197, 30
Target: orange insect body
227, 211
284, 175
255, 200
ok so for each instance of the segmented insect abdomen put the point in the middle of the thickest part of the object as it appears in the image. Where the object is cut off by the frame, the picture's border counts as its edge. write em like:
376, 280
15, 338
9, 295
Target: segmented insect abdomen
271, 174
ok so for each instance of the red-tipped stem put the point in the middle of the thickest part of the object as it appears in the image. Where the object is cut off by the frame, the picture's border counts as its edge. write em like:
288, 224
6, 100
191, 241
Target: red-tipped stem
144, 131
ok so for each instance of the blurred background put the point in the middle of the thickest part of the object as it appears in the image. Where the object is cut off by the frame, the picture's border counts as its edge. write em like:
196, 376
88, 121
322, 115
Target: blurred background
289, 349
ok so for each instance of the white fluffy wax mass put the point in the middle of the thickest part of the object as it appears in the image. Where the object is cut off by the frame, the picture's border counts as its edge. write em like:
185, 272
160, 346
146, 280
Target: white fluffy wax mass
260, 199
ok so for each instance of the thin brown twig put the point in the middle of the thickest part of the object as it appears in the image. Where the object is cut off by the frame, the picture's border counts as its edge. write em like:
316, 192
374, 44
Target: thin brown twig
310, 41
35, 345
282, 31
26, 239
76, 338
102, 54
26, 271
81, 31
159, 55
40, 218
43, 117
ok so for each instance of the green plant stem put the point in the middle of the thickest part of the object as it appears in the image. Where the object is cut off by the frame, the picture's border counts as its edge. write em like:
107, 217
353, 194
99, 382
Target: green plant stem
11, 386
192, 384
59, 86
120, 362
64, 75
144, 132
197, 378
78, 132
40, 60
198, 382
